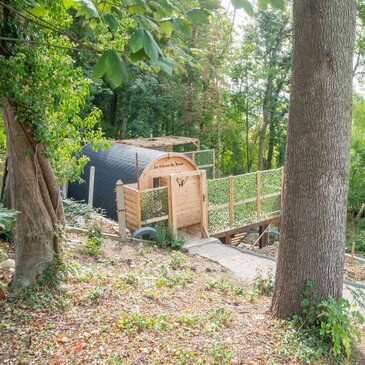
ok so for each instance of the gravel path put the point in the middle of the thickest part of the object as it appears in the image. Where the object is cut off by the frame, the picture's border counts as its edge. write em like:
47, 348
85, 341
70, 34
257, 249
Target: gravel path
242, 264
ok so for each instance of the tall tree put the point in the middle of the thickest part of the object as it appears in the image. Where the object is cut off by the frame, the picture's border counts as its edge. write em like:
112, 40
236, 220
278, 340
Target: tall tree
260, 70
317, 158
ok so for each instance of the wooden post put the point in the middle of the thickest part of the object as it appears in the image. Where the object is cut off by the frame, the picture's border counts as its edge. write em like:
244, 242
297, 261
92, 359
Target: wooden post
193, 156
258, 194
91, 187
121, 210
213, 163
65, 190
172, 207
264, 236
353, 253
139, 212
231, 201
137, 171
204, 204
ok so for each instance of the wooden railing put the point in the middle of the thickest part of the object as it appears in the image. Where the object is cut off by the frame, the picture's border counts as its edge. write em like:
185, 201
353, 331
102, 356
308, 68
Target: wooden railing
233, 202
205, 160
241, 200
143, 207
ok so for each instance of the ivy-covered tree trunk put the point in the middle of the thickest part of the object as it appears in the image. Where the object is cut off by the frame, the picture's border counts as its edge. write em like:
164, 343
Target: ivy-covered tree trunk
35, 193
317, 158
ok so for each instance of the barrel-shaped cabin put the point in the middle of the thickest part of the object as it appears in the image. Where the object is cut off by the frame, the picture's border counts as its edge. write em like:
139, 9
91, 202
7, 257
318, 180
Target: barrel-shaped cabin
148, 184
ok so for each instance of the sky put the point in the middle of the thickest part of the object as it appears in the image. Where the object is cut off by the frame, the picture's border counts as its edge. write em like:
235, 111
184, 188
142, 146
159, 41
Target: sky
240, 17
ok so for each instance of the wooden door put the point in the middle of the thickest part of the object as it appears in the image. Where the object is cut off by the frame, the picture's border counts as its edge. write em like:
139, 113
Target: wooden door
187, 200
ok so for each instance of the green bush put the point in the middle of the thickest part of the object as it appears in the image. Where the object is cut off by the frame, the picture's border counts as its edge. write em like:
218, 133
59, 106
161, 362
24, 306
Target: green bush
94, 240
331, 323
263, 285
356, 236
166, 238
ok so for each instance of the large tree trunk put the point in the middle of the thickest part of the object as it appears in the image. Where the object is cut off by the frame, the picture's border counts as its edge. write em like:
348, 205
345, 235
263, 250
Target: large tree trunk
35, 193
317, 158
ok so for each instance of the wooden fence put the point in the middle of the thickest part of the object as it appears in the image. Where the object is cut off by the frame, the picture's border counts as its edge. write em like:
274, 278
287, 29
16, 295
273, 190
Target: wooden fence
232, 202
238, 201
144, 207
205, 160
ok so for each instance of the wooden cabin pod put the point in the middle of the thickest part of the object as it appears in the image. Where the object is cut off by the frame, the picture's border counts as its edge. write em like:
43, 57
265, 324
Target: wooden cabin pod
119, 162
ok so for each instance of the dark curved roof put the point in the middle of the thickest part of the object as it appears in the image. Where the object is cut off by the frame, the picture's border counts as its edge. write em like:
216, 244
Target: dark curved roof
116, 163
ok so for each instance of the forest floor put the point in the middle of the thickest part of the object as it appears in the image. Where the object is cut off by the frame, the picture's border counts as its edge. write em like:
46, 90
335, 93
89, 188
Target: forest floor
139, 304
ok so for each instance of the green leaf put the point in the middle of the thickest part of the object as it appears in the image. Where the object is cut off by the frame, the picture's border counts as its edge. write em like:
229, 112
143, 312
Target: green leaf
138, 56
136, 41
210, 4
278, 4
112, 21
198, 16
111, 66
149, 24
167, 65
167, 28
84, 8
151, 47
263, 4
183, 25
243, 4
28, 3
7, 217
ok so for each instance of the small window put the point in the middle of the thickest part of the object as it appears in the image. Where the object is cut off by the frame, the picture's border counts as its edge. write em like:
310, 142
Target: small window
156, 182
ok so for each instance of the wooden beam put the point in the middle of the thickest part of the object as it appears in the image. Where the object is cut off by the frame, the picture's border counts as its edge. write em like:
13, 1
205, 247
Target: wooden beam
65, 190
139, 210
264, 236
231, 216
121, 210
204, 204
157, 219
258, 194
90, 199
275, 221
242, 202
172, 207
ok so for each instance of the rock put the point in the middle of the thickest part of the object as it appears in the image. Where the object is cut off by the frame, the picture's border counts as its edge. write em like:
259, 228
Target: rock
8, 264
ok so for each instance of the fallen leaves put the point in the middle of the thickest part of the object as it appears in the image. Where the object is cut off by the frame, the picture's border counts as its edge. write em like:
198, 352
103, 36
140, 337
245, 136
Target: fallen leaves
79, 325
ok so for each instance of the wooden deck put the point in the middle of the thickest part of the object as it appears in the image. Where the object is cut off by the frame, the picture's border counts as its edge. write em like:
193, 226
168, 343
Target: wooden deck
237, 235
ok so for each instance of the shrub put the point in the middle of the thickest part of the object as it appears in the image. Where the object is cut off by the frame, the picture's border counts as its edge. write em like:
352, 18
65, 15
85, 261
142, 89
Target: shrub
333, 323
94, 240
263, 285
166, 238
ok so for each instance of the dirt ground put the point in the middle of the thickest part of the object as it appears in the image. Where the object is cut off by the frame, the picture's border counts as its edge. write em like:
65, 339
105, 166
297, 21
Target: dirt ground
138, 304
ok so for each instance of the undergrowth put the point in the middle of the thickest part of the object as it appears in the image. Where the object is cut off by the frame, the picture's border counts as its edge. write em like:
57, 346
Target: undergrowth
165, 237
94, 240
326, 328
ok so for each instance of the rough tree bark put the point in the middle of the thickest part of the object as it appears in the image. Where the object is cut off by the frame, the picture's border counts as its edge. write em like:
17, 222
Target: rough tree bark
317, 158
35, 193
